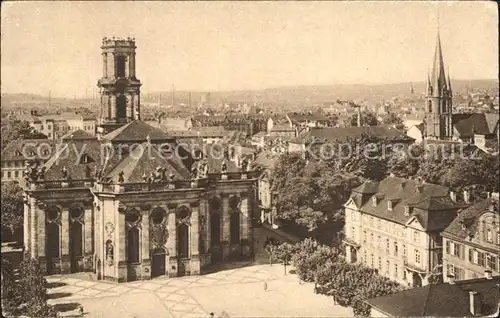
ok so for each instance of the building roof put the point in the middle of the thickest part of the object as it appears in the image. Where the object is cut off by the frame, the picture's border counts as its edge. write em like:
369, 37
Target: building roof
144, 160
137, 131
282, 127
26, 149
479, 123
441, 300
345, 133
266, 160
78, 135
296, 118
429, 203
469, 217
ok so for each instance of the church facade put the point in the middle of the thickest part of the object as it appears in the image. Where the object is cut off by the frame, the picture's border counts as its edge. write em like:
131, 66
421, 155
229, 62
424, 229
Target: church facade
134, 203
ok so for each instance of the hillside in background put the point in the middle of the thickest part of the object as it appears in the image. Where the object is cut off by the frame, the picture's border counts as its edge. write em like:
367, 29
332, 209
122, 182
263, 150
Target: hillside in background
289, 96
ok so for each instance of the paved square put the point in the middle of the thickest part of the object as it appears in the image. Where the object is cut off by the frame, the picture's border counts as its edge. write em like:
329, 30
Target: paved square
238, 292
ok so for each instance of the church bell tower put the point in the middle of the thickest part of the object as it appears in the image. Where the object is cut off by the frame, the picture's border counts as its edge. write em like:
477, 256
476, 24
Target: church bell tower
438, 100
119, 87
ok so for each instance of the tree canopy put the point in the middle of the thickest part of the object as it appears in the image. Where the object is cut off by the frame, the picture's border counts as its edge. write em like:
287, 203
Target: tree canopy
12, 208
368, 118
17, 129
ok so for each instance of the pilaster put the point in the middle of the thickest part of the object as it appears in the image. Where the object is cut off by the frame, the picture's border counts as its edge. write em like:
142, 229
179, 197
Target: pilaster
120, 239
132, 65
225, 226
65, 258
172, 245
41, 233
26, 227
104, 65
145, 250
33, 229
194, 241
132, 107
88, 233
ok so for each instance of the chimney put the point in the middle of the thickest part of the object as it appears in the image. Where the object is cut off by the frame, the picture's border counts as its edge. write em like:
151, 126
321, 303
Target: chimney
466, 196
453, 196
488, 274
474, 303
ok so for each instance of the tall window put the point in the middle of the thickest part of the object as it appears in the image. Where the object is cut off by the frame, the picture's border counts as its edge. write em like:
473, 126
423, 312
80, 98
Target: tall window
365, 237
387, 267
371, 239
396, 270
214, 206
53, 233
372, 260
353, 233
404, 250
120, 66
183, 232
132, 220
416, 236
380, 263
133, 245
234, 220
235, 227
395, 248
387, 244
417, 256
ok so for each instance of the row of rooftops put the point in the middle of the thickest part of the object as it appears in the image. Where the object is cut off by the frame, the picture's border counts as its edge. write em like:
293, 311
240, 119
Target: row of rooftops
80, 156
331, 134
399, 200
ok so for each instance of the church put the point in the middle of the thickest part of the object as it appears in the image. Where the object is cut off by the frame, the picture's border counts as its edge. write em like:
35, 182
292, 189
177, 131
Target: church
132, 202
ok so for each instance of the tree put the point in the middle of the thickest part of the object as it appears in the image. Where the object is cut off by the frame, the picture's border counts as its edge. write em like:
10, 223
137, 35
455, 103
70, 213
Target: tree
394, 120
16, 129
12, 208
26, 293
368, 118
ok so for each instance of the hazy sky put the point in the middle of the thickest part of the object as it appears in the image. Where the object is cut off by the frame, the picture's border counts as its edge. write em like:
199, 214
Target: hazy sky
244, 45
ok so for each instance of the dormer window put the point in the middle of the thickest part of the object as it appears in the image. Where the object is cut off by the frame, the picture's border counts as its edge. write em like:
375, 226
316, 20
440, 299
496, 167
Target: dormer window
489, 235
462, 225
18, 153
374, 201
389, 205
407, 210
85, 158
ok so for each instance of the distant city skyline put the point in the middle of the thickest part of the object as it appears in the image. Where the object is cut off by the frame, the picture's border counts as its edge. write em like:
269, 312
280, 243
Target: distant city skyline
203, 46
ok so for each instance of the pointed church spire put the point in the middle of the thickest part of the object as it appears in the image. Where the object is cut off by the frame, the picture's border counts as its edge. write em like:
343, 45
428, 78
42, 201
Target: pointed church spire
438, 79
429, 92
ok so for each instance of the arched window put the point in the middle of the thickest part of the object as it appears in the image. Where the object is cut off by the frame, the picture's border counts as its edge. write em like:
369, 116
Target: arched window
183, 232
120, 66
133, 236
158, 231
235, 227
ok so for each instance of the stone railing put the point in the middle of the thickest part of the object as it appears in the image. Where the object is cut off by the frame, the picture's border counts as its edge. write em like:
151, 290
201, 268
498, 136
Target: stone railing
61, 184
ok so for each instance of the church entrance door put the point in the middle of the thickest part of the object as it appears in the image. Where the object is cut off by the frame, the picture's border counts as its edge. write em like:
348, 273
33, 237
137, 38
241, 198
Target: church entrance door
158, 267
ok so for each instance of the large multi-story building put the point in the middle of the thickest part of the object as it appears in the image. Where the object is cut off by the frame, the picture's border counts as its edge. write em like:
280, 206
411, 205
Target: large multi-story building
394, 226
19, 152
134, 204
57, 125
472, 242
